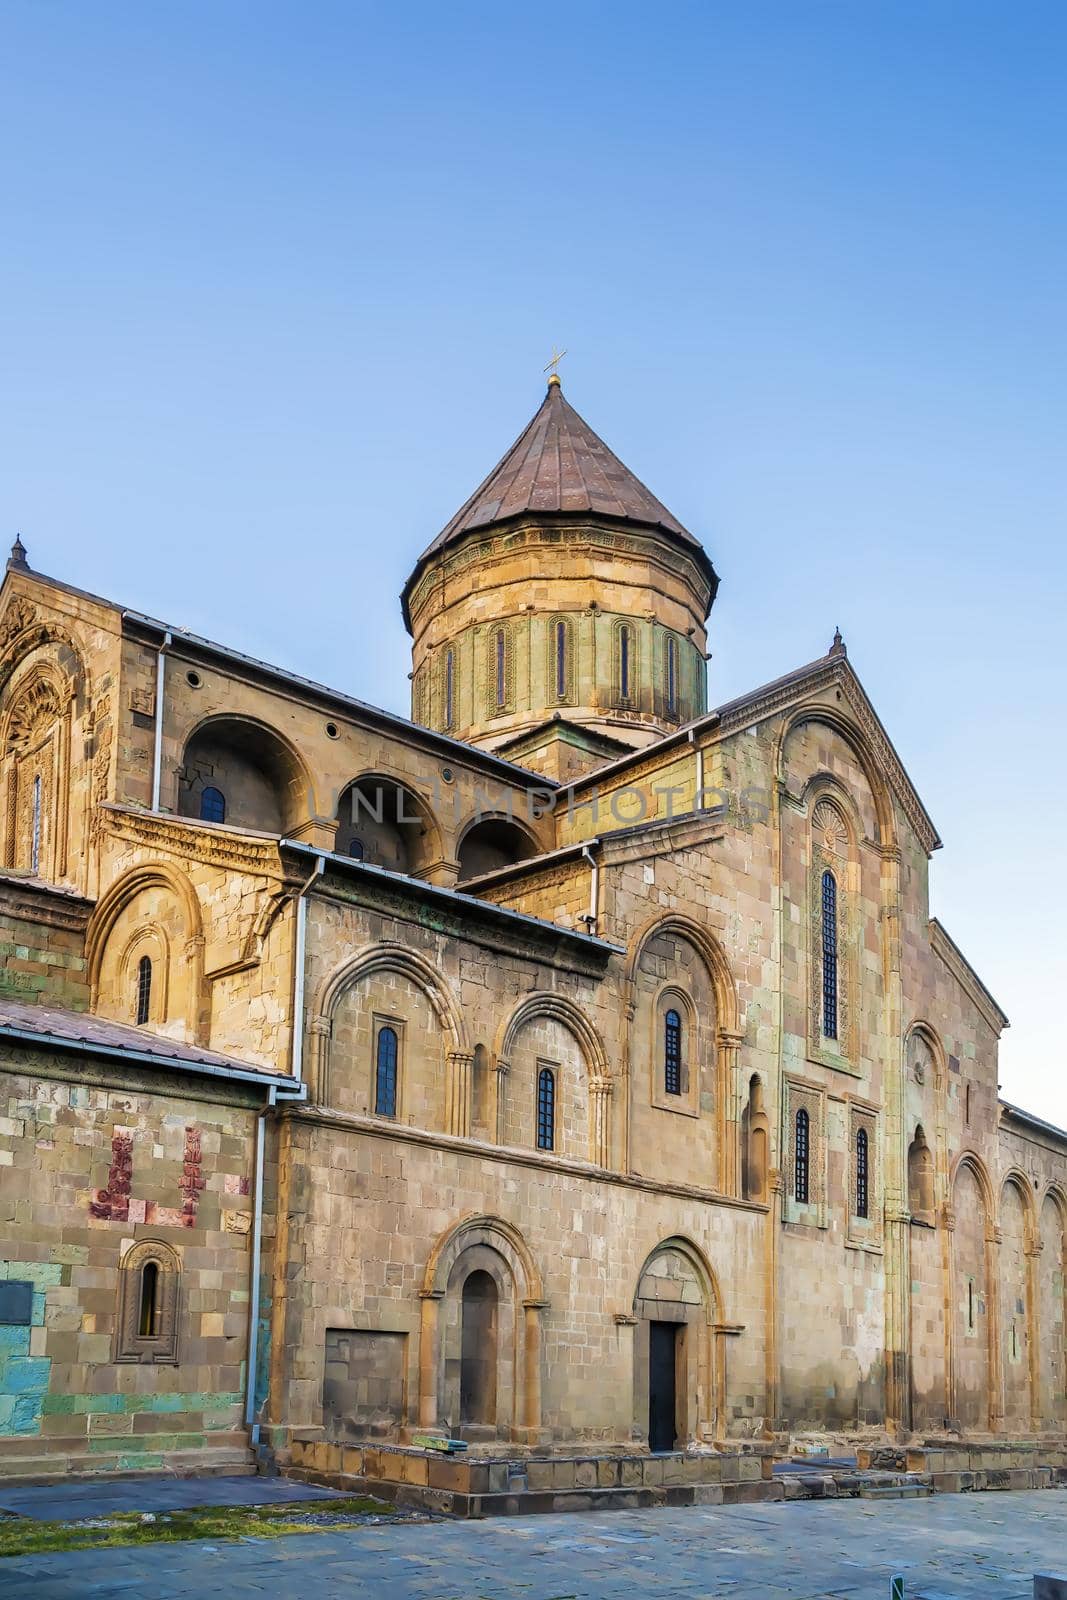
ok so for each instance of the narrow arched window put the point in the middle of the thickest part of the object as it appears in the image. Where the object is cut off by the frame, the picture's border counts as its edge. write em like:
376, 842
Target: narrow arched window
625, 667
829, 955
862, 1174
144, 989
500, 662
356, 850
35, 841
672, 1053
148, 1307
561, 660
546, 1109
385, 1073
967, 1104
802, 1130
672, 676
450, 688
212, 805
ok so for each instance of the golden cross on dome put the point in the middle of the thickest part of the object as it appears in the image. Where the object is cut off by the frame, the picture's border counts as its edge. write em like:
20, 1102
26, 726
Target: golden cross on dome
557, 357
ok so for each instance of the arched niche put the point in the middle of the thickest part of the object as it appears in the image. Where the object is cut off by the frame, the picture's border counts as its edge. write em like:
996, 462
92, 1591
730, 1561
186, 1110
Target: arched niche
972, 1310
922, 1202
1015, 1233
493, 842
384, 822
547, 1030
240, 772
35, 741
679, 1364
152, 912
1052, 1313
480, 1339
674, 955
755, 1143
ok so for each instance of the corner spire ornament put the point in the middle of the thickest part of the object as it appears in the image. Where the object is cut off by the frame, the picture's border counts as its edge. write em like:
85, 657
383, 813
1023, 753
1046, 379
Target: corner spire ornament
17, 559
838, 647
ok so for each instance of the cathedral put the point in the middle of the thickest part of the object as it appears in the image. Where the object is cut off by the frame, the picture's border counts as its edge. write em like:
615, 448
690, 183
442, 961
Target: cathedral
572, 1071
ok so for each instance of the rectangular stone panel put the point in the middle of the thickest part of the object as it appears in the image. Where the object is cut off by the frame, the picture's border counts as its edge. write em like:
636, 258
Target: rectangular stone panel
364, 1382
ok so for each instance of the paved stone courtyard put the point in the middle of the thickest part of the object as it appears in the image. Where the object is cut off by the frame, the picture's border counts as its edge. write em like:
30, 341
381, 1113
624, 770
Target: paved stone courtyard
951, 1547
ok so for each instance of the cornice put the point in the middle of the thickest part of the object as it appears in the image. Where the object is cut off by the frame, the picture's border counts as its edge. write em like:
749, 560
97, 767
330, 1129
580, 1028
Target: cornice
194, 841
953, 958
508, 1155
32, 900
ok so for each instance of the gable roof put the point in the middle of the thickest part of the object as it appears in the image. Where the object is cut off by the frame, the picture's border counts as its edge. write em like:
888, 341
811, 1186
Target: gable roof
559, 466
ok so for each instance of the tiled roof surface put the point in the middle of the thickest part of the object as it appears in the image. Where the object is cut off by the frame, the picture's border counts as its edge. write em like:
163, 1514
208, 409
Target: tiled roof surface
78, 1027
558, 464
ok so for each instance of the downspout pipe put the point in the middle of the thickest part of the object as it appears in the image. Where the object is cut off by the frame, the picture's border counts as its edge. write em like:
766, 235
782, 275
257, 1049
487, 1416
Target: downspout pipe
157, 752
300, 943
254, 1269
593, 914
295, 1089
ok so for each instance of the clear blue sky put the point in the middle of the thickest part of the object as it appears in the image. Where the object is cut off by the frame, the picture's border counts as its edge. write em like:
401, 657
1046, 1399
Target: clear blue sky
278, 282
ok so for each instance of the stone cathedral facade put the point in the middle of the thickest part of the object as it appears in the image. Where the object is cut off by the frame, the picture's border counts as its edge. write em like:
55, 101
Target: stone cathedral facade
573, 1067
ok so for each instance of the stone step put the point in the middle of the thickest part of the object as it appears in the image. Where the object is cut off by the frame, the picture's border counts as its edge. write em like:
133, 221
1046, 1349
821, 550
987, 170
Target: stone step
227, 1460
895, 1491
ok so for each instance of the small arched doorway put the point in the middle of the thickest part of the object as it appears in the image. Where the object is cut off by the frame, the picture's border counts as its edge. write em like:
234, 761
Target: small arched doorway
478, 1360
676, 1386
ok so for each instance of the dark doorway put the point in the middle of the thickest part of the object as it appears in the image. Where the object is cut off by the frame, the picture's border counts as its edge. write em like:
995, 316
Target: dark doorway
662, 1385
477, 1370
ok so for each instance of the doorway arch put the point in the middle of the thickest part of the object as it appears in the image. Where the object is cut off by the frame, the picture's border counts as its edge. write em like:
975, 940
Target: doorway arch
679, 1373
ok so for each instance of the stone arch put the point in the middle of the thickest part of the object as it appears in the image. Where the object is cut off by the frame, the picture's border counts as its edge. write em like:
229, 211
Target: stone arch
490, 840
35, 741
390, 822
1051, 1296
973, 1318
558, 1009
1014, 1244
185, 985
482, 1246
723, 1156
389, 957
677, 1289
265, 781
854, 736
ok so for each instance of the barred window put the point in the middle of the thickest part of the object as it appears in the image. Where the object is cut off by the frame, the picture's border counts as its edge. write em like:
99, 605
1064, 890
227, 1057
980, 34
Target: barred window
862, 1174
561, 660
500, 657
802, 1130
672, 1053
672, 676
829, 955
385, 1073
144, 989
212, 805
546, 1109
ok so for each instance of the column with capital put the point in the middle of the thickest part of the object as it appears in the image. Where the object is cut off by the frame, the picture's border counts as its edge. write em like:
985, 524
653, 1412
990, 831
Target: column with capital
458, 1092
600, 1093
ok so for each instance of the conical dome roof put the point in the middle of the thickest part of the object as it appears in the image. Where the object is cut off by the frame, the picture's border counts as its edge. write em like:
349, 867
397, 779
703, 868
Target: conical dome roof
559, 466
